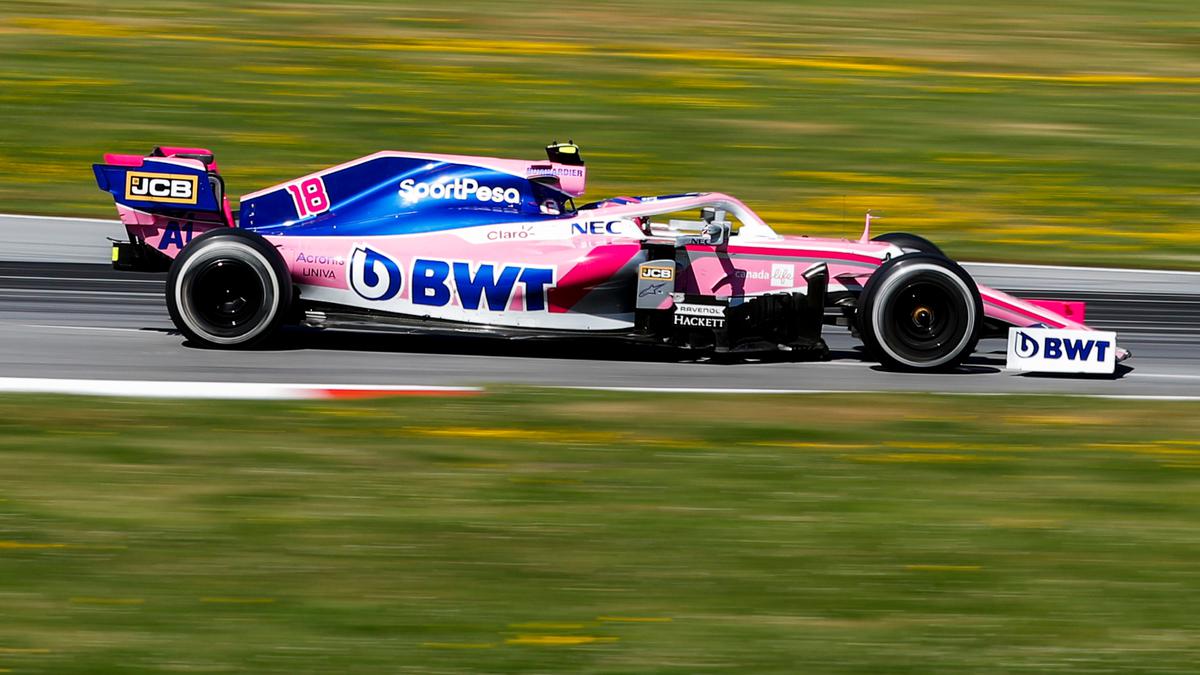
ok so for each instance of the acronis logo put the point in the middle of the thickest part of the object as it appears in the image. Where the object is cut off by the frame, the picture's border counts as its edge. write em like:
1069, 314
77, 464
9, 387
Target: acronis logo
373, 275
460, 189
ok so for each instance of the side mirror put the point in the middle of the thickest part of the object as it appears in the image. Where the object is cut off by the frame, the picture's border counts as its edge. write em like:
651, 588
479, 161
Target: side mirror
718, 229
718, 233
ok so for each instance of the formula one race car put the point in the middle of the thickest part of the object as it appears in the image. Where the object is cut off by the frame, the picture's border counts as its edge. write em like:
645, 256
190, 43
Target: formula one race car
426, 242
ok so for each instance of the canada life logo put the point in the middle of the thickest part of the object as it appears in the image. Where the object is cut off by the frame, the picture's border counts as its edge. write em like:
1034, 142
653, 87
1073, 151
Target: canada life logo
461, 189
373, 275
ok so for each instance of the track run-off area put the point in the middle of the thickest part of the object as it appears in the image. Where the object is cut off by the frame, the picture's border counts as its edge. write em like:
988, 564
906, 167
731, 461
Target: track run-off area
66, 317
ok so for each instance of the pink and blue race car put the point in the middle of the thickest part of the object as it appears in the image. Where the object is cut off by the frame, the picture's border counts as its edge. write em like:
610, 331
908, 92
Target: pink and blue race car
402, 241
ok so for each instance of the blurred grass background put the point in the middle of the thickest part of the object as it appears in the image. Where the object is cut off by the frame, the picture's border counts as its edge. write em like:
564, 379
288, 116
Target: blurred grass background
545, 531
1061, 132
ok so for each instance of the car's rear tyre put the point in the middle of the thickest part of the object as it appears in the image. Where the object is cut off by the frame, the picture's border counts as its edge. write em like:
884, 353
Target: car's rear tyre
910, 242
228, 288
920, 312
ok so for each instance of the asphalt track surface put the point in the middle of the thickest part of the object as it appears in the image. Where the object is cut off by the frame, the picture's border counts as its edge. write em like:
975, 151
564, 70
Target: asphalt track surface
65, 314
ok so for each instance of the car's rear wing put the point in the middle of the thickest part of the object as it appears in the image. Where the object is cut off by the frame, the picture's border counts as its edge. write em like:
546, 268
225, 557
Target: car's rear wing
167, 179
164, 199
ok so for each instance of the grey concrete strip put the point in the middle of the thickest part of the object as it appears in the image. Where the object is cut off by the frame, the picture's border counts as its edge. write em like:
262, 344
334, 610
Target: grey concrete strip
72, 321
107, 333
1017, 278
45, 239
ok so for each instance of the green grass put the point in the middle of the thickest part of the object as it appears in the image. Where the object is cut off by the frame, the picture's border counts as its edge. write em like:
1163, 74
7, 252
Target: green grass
546, 531
1029, 131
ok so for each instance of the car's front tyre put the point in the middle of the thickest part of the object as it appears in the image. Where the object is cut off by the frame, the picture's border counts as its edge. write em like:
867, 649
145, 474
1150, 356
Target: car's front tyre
920, 312
228, 288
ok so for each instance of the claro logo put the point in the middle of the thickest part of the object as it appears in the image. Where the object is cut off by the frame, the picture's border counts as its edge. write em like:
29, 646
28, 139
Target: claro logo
160, 187
461, 189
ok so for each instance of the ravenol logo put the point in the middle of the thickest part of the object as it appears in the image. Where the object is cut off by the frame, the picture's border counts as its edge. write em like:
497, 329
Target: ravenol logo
1061, 350
161, 187
461, 189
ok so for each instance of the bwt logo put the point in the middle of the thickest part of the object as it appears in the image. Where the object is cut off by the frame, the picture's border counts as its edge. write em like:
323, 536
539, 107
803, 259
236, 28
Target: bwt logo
373, 275
160, 187
438, 283
1028, 347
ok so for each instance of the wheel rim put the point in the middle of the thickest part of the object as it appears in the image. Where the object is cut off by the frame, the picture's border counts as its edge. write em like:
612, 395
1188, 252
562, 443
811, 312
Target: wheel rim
227, 297
925, 320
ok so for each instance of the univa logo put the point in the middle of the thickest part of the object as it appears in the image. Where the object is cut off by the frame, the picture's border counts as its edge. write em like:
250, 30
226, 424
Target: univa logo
373, 275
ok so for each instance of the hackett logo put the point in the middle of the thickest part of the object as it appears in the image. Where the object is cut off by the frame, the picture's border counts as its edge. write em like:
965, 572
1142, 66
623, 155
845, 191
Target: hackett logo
161, 187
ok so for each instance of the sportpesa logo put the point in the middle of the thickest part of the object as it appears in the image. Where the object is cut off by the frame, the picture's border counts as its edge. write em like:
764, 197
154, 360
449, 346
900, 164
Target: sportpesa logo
461, 189
160, 187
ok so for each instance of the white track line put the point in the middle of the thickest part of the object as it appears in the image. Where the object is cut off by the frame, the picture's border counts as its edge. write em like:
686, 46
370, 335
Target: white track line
217, 390
1165, 376
283, 391
64, 291
715, 390
66, 218
109, 328
121, 280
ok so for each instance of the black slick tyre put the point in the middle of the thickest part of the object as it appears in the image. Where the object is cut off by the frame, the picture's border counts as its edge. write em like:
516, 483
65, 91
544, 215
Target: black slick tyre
910, 243
920, 312
228, 288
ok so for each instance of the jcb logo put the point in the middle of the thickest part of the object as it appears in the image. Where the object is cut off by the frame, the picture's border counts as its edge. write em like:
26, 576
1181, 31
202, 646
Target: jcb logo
658, 273
160, 187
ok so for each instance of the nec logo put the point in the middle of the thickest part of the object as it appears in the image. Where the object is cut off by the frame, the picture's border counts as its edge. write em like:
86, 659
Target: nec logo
597, 227
1069, 351
161, 187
